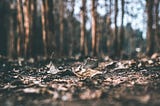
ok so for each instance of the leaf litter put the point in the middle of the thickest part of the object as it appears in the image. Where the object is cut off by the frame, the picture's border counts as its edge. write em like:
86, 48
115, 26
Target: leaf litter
123, 82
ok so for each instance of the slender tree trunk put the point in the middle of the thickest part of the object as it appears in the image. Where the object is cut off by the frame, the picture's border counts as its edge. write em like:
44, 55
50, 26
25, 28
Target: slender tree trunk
30, 17
51, 39
71, 26
150, 35
110, 38
3, 29
20, 29
157, 32
83, 30
99, 30
109, 34
11, 37
44, 32
26, 25
33, 31
121, 41
50, 15
61, 7
116, 29
94, 28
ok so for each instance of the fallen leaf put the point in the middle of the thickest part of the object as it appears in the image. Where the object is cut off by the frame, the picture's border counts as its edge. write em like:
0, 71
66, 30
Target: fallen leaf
52, 68
31, 90
85, 73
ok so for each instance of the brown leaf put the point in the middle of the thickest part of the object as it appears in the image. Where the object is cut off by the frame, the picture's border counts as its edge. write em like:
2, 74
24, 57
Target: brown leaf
85, 73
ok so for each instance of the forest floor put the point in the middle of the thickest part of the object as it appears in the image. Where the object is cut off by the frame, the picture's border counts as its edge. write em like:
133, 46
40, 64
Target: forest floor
80, 82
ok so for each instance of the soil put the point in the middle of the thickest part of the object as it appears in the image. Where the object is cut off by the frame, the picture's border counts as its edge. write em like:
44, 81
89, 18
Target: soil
80, 82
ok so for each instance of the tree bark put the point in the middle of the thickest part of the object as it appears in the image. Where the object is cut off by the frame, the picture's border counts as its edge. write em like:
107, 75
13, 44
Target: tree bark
71, 27
61, 7
157, 32
11, 37
51, 39
116, 29
26, 25
121, 39
33, 27
20, 29
150, 35
44, 32
109, 34
94, 28
83, 23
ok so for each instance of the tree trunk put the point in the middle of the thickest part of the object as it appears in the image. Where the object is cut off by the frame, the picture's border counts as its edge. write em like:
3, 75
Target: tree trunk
44, 32
3, 31
20, 29
150, 35
61, 7
94, 28
121, 39
11, 37
51, 39
33, 27
157, 32
109, 34
26, 25
99, 34
71, 27
83, 30
116, 29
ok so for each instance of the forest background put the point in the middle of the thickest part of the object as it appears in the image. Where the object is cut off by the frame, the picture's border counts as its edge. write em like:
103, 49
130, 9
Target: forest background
31, 28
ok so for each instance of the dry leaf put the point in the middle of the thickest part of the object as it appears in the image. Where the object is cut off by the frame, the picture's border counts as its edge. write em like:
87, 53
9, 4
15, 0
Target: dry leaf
31, 90
84, 73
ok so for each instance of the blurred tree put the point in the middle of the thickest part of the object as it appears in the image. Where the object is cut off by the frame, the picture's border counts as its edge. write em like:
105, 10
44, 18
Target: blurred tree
44, 17
83, 29
33, 28
116, 52
94, 28
11, 29
61, 27
4, 10
157, 32
26, 13
51, 45
71, 27
20, 29
108, 29
100, 34
121, 37
150, 34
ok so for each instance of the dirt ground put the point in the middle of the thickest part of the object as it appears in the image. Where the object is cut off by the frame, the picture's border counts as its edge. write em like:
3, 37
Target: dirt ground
80, 82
